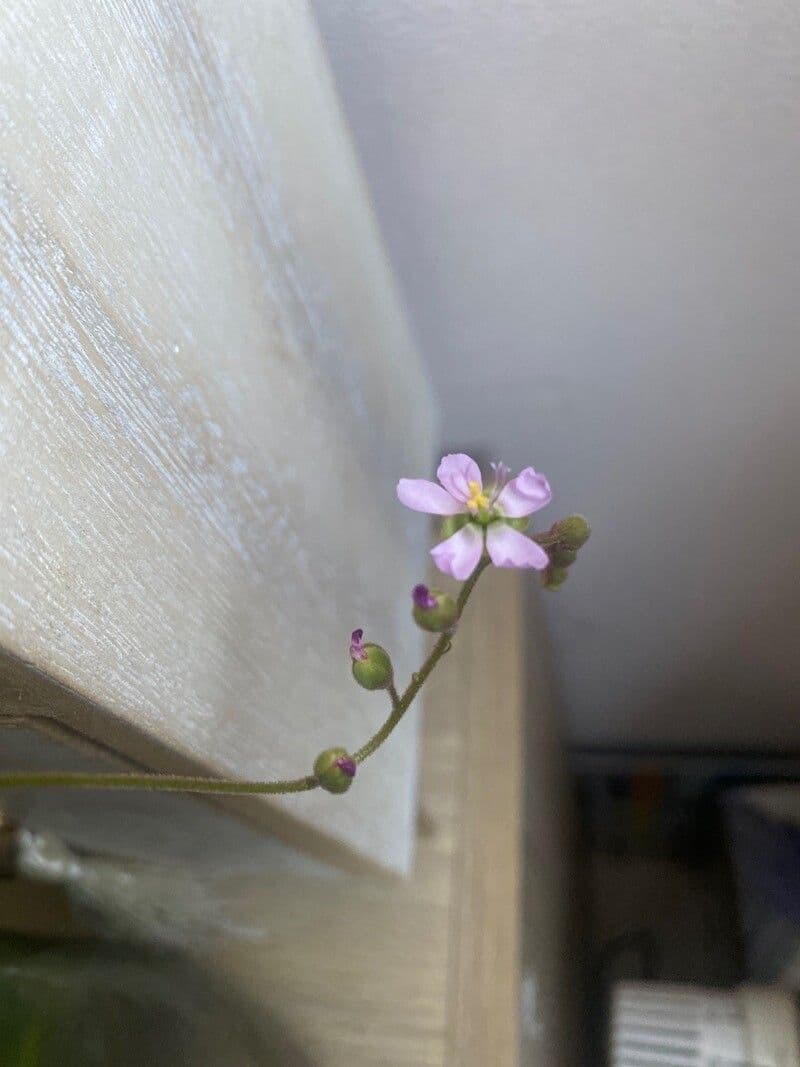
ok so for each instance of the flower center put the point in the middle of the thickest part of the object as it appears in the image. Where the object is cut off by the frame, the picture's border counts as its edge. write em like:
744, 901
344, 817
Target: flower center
477, 498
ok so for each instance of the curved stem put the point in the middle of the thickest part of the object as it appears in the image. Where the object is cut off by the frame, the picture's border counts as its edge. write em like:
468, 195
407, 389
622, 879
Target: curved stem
166, 783
177, 783
400, 705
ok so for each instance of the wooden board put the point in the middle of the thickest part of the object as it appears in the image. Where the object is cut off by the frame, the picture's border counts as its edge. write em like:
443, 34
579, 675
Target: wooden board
207, 392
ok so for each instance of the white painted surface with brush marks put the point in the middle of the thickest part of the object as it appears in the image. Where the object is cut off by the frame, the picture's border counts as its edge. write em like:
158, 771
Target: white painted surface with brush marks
207, 391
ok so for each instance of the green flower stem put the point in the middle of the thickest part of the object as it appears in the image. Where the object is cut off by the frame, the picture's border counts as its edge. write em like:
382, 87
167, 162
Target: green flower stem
164, 783
176, 783
401, 704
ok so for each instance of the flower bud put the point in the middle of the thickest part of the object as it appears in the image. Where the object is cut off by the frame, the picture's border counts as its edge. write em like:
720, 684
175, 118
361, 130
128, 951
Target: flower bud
561, 556
335, 770
572, 532
372, 667
433, 611
553, 577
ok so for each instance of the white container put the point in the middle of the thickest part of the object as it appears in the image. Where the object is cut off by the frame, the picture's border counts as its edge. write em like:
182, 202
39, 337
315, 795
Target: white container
660, 1025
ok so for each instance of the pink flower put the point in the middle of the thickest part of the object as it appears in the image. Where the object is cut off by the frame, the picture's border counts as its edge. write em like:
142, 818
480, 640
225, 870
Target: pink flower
461, 492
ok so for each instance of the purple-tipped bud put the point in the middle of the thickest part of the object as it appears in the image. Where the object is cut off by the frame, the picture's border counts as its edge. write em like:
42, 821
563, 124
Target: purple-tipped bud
335, 769
371, 665
433, 611
421, 595
357, 650
347, 765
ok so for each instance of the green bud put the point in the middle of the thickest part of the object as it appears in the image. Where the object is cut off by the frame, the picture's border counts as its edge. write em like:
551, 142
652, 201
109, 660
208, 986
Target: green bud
373, 670
433, 611
452, 524
561, 556
335, 769
573, 532
553, 577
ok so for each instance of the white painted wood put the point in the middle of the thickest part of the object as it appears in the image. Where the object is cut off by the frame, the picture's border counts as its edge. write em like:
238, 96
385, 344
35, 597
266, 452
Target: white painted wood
207, 391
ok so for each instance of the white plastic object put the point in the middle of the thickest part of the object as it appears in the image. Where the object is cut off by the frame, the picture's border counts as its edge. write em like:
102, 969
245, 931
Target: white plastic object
660, 1025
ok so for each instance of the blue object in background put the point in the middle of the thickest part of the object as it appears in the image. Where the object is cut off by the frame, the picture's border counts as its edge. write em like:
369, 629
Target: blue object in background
763, 824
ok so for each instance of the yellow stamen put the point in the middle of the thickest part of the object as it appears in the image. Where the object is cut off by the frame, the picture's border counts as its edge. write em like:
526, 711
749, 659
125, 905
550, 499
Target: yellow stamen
477, 498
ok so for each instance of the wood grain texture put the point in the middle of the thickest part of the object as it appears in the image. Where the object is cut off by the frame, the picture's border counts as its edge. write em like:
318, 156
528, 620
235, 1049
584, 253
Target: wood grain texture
487, 874
378, 972
207, 391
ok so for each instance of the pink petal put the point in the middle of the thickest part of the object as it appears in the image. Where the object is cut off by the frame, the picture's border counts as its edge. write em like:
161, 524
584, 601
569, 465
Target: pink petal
458, 556
510, 548
456, 472
421, 495
527, 493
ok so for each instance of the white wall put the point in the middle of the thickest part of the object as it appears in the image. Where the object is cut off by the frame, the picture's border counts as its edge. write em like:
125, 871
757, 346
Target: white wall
593, 209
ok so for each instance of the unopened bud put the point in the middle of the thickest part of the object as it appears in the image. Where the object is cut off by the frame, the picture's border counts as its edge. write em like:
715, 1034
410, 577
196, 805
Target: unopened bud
553, 577
433, 611
372, 667
561, 556
335, 770
572, 532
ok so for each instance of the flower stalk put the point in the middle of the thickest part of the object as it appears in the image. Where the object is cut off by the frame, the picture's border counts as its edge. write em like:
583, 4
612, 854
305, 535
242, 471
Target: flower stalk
164, 783
401, 704
483, 526
175, 783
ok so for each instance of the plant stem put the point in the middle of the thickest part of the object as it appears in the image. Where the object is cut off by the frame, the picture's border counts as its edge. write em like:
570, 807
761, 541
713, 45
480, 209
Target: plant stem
177, 783
167, 783
400, 705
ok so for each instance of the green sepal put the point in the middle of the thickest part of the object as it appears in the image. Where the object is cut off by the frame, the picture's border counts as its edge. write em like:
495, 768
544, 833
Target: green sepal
452, 524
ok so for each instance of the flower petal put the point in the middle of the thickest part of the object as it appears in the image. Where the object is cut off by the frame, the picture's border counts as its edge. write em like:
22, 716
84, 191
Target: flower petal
510, 548
357, 650
458, 556
421, 595
455, 473
421, 495
525, 494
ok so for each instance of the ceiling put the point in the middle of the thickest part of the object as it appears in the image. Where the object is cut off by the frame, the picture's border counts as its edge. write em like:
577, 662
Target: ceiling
592, 209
